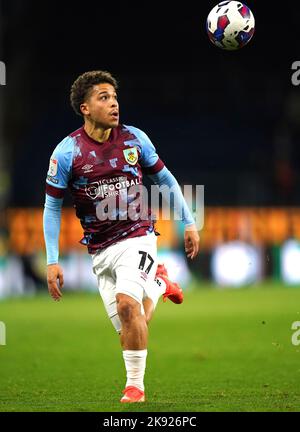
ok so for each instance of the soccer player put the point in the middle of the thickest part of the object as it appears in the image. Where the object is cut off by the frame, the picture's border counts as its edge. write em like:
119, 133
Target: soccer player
103, 160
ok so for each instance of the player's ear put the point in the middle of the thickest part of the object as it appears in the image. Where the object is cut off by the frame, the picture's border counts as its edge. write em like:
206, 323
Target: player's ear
84, 108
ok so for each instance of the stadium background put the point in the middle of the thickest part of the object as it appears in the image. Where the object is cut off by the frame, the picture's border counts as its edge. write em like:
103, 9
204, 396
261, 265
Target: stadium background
228, 121
225, 120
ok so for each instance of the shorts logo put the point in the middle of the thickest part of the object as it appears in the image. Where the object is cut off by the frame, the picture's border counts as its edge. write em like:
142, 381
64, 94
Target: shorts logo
131, 155
53, 167
144, 276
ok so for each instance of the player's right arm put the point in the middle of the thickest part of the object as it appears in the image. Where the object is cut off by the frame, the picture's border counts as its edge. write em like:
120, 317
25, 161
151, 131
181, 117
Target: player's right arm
51, 225
56, 184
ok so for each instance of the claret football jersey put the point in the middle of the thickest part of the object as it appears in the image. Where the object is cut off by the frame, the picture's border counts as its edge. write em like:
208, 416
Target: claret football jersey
94, 172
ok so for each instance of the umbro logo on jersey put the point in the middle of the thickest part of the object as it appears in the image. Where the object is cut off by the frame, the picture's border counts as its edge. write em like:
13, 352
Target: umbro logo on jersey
87, 168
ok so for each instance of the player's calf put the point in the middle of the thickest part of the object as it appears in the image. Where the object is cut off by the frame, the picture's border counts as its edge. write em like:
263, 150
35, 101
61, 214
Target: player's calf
134, 333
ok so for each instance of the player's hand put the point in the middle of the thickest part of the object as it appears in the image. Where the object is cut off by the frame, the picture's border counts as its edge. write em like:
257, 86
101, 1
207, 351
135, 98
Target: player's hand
191, 241
55, 274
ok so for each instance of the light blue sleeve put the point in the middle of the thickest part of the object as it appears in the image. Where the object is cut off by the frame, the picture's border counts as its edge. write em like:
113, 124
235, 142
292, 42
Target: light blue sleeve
165, 180
148, 152
51, 226
60, 167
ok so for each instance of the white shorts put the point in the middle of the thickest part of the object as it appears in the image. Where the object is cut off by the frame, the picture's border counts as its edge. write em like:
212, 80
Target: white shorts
126, 267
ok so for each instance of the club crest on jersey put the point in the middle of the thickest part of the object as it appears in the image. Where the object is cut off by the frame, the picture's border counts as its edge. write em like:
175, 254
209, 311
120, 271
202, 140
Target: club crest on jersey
131, 155
52, 168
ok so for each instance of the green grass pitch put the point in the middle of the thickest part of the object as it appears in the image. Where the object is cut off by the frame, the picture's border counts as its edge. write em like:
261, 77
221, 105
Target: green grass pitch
221, 350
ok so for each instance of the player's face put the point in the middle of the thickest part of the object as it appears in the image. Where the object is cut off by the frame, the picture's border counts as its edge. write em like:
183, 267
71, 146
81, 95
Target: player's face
102, 106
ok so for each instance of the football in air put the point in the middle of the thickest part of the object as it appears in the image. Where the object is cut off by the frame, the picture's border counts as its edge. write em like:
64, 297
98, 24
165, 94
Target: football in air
230, 25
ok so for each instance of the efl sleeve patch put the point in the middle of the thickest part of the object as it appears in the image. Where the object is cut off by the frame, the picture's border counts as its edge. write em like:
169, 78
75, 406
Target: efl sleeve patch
60, 165
53, 167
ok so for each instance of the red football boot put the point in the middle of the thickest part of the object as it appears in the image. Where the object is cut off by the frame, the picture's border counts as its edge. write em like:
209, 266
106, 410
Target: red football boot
173, 290
132, 394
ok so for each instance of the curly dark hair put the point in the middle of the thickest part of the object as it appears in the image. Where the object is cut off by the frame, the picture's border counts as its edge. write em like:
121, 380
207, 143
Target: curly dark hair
83, 85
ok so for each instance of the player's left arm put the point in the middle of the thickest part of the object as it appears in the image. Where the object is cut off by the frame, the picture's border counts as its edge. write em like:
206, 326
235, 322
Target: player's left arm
154, 167
165, 179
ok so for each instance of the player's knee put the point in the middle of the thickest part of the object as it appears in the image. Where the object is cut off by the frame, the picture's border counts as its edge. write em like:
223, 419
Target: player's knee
128, 309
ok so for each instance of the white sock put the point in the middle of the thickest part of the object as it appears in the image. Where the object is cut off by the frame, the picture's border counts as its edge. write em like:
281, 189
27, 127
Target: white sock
135, 363
155, 289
